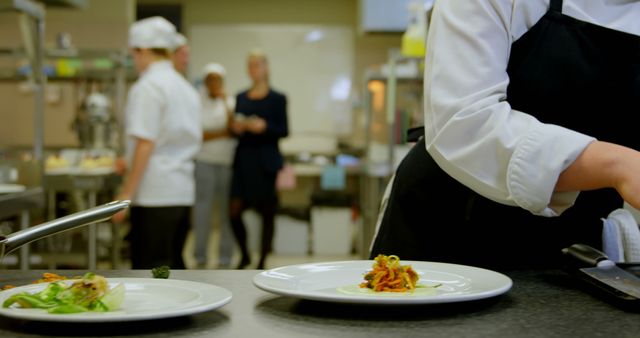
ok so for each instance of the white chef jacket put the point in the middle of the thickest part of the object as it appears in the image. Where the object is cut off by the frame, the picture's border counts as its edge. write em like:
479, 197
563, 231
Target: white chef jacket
470, 129
164, 108
214, 117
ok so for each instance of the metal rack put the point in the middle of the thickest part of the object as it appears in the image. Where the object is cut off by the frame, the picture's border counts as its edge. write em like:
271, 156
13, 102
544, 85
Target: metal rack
32, 17
32, 23
382, 124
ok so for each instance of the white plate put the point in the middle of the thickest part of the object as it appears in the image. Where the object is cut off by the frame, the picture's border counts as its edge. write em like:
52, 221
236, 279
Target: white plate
328, 282
145, 298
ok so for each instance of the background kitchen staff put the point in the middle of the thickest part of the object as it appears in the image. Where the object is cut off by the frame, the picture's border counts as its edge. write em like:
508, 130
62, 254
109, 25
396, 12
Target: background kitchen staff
213, 167
257, 159
163, 135
181, 54
530, 132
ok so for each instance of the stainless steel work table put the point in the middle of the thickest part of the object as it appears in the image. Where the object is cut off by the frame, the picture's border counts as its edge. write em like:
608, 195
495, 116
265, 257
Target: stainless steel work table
91, 184
19, 204
540, 304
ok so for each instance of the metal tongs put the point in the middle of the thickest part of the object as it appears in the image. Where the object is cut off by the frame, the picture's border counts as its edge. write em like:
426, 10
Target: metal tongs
17, 239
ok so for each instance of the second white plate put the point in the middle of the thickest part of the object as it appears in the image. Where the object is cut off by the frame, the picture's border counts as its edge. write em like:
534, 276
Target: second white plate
338, 282
145, 298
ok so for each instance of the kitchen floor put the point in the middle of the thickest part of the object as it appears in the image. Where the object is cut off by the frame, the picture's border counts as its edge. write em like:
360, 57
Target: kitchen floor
289, 237
273, 261
68, 251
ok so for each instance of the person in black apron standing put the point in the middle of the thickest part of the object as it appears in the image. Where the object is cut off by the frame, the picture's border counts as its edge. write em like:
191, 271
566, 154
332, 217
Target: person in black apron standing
564, 72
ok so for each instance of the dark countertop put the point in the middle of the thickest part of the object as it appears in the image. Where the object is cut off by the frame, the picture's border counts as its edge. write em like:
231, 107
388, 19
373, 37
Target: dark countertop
540, 304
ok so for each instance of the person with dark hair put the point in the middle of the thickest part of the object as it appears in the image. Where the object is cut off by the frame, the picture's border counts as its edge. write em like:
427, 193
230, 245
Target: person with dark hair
261, 121
213, 168
162, 126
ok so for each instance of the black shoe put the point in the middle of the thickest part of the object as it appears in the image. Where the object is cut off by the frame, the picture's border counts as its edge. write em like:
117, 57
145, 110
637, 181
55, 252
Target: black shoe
261, 264
244, 263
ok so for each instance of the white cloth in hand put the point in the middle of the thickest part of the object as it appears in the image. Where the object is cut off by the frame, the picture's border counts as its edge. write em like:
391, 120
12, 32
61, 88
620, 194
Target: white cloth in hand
621, 237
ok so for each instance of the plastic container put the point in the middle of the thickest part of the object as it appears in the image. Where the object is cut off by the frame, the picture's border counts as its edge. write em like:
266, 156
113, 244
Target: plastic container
415, 37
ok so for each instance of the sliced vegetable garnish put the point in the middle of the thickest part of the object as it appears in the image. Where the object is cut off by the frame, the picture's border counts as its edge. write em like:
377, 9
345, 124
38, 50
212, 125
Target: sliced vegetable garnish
91, 293
388, 275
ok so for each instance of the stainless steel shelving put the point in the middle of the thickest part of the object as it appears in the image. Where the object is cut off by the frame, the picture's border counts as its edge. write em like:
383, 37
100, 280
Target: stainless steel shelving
32, 16
32, 22
400, 91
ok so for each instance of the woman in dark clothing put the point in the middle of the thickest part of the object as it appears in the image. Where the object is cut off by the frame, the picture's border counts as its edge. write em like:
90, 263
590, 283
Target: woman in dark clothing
261, 122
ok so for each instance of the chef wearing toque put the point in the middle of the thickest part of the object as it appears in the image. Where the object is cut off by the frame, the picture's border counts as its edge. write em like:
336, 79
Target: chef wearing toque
162, 127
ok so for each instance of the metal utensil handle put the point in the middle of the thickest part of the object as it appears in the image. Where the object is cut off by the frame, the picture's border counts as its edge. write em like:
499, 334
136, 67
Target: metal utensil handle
585, 254
93, 215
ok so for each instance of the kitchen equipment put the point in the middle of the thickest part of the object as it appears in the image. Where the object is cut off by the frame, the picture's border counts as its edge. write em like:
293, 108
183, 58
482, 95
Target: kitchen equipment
15, 240
95, 123
614, 281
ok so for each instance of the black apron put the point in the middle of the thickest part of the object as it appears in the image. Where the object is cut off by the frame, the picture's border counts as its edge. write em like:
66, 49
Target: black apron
563, 71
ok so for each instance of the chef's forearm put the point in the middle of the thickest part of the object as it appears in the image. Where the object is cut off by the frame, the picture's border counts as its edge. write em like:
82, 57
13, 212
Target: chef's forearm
142, 153
600, 165
212, 135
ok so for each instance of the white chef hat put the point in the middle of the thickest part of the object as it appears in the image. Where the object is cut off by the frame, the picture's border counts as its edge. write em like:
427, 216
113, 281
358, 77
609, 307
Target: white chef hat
179, 40
153, 32
214, 68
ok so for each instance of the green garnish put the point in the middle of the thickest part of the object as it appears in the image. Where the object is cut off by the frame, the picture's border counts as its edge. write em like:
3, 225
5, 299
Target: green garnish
91, 293
161, 272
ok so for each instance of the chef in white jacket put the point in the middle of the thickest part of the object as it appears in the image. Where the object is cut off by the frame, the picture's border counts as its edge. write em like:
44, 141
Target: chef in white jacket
530, 135
163, 131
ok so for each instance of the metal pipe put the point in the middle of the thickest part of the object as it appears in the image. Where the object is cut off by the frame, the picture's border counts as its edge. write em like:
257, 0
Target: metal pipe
40, 82
92, 255
25, 236
29, 7
391, 107
24, 250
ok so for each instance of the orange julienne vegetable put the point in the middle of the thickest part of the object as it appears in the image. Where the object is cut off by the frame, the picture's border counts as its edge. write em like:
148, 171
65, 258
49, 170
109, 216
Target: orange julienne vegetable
387, 275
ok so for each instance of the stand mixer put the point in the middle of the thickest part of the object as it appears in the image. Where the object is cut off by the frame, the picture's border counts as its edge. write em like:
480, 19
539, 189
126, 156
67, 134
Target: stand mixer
95, 124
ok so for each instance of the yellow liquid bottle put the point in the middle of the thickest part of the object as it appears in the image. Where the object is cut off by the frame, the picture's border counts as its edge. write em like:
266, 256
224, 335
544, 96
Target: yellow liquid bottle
414, 38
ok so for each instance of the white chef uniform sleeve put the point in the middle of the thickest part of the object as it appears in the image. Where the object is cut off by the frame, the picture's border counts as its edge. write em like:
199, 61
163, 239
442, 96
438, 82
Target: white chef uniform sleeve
145, 109
470, 129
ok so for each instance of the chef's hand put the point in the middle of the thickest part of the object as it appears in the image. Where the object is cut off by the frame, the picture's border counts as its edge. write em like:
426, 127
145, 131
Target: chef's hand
257, 125
238, 127
122, 215
120, 166
604, 165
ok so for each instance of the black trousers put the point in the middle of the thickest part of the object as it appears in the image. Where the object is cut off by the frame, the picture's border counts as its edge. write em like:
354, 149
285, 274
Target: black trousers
267, 210
158, 235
